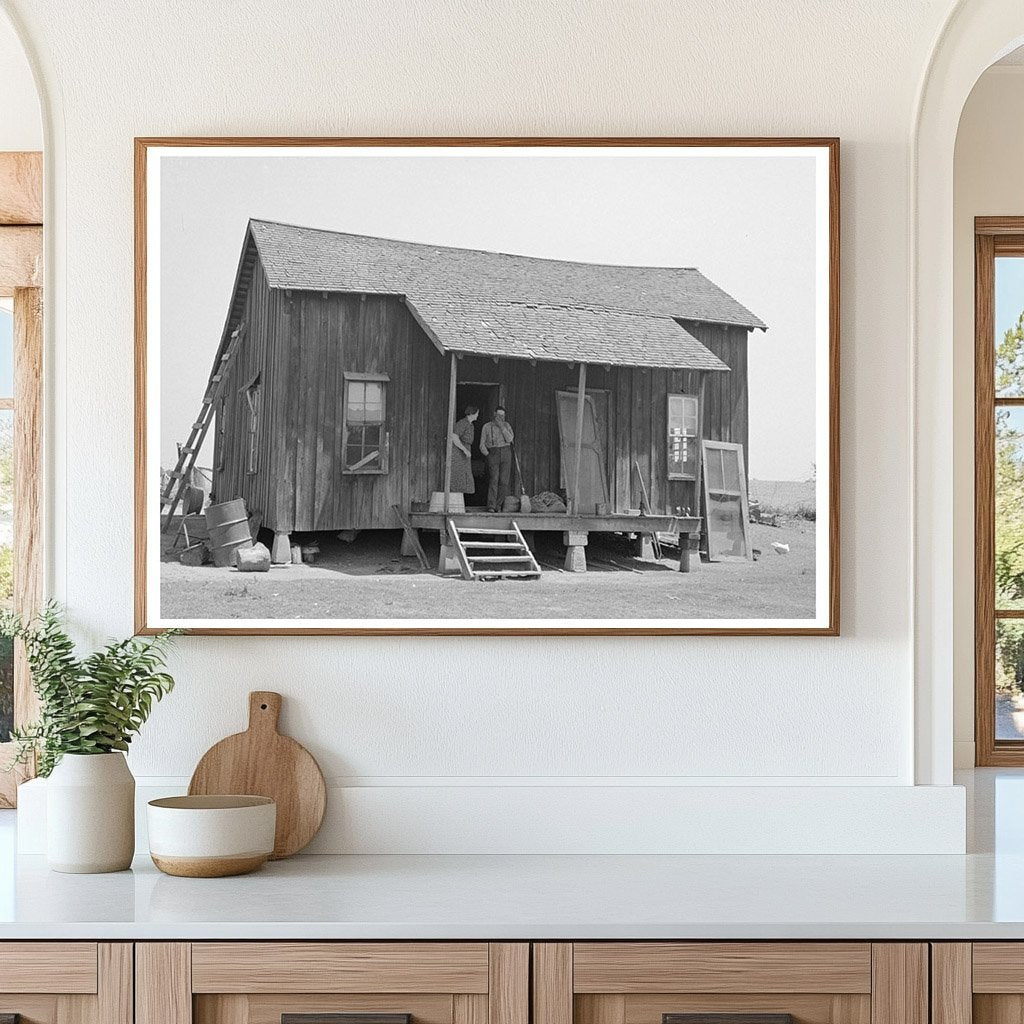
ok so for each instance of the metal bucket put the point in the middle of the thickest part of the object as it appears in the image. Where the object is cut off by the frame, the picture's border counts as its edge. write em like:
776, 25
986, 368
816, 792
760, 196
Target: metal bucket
228, 524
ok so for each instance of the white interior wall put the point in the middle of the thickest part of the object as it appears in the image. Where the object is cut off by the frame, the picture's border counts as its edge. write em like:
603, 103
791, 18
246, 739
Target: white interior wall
987, 181
435, 718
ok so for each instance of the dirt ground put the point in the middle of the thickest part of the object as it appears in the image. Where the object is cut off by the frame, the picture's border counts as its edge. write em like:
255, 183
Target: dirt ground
368, 579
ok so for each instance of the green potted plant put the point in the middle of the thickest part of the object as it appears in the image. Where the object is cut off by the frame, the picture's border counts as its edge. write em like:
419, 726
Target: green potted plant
90, 708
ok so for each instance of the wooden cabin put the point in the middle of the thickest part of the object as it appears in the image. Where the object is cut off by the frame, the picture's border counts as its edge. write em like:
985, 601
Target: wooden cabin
336, 403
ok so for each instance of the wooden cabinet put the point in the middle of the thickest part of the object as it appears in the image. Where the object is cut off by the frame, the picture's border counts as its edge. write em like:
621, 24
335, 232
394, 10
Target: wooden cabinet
756, 982
66, 982
309, 982
978, 983
494, 983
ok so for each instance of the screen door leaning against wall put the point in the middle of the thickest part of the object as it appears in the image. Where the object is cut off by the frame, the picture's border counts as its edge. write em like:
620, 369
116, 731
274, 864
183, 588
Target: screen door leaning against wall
725, 498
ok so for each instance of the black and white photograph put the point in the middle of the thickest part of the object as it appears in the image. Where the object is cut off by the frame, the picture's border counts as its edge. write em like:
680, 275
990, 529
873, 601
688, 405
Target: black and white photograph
487, 386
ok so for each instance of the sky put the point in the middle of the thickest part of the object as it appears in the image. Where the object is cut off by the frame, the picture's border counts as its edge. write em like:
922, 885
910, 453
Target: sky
746, 222
6, 353
1009, 293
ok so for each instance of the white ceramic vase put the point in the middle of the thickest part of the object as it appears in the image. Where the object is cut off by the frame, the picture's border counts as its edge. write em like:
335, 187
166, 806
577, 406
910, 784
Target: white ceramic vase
90, 814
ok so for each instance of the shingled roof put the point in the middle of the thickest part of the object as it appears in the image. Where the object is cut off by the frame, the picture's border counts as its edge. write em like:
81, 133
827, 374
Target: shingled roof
542, 331
314, 259
515, 307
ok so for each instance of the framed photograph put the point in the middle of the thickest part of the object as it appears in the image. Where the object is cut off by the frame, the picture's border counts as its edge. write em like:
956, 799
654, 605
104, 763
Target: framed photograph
499, 386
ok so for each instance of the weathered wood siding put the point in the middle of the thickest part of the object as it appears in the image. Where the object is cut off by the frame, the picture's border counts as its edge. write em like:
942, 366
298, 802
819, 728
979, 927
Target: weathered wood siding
636, 429
304, 342
320, 338
256, 354
727, 399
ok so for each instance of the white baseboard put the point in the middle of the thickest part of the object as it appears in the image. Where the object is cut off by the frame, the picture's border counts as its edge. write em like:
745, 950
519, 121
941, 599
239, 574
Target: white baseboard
572, 819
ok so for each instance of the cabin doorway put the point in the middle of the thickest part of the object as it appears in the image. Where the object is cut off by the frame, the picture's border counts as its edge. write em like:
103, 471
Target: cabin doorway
593, 488
486, 397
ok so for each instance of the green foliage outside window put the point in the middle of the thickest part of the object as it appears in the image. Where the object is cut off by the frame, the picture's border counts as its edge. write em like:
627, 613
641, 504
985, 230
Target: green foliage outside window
6, 575
1009, 510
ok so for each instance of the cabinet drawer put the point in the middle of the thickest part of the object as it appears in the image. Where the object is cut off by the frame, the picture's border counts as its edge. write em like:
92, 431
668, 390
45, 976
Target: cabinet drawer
730, 983
634, 967
340, 967
66, 967
332, 983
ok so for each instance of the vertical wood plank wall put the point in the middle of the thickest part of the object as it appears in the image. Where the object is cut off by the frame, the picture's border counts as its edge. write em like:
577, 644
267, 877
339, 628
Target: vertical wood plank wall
302, 343
727, 401
256, 354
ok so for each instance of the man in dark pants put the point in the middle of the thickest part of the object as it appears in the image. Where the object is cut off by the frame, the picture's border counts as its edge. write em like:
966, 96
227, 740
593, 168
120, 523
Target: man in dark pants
496, 447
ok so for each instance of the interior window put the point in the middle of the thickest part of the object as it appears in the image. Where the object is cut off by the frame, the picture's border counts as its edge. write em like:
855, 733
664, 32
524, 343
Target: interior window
1008, 424
682, 437
365, 419
999, 493
6, 515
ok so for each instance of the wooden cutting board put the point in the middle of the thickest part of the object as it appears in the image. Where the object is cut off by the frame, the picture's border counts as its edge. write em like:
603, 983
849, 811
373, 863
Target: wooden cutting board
262, 762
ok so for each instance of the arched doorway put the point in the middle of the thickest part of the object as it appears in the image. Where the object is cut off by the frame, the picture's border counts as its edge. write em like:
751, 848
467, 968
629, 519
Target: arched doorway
976, 34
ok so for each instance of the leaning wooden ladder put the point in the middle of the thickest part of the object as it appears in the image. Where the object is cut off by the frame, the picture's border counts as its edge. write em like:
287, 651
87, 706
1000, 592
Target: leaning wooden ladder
189, 451
513, 560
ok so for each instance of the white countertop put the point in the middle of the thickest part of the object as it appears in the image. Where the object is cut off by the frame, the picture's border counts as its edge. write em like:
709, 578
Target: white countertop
977, 896
516, 897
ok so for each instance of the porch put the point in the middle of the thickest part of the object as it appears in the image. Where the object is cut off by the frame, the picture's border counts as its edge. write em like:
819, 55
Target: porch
574, 527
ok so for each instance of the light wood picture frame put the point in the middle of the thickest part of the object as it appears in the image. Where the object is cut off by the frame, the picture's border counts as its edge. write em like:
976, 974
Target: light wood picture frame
433, 304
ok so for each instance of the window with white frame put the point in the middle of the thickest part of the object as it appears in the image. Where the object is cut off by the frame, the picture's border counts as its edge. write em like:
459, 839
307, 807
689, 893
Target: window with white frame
683, 415
365, 414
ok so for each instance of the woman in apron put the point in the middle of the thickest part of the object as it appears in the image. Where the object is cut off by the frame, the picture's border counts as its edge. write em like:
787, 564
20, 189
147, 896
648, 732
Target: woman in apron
462, 452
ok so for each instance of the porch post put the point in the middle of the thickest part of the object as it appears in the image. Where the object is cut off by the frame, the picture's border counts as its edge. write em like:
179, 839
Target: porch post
581, 397
452, 380
698, 508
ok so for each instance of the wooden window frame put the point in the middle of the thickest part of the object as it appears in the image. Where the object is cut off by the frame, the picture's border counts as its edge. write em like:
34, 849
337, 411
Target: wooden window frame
21, 278
993, 237
690, 477
385, 440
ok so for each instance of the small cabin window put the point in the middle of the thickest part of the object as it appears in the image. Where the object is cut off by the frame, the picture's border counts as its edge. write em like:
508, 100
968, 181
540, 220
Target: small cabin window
682, 437
366, 439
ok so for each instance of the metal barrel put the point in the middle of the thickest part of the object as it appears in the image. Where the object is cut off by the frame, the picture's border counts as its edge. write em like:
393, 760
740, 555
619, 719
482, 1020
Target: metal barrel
228, 524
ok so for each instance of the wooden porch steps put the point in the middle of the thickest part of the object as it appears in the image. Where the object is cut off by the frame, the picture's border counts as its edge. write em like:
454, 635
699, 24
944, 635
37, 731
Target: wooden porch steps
477, 561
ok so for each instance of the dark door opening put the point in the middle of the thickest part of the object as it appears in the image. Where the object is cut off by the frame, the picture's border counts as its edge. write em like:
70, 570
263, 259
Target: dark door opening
486, 397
